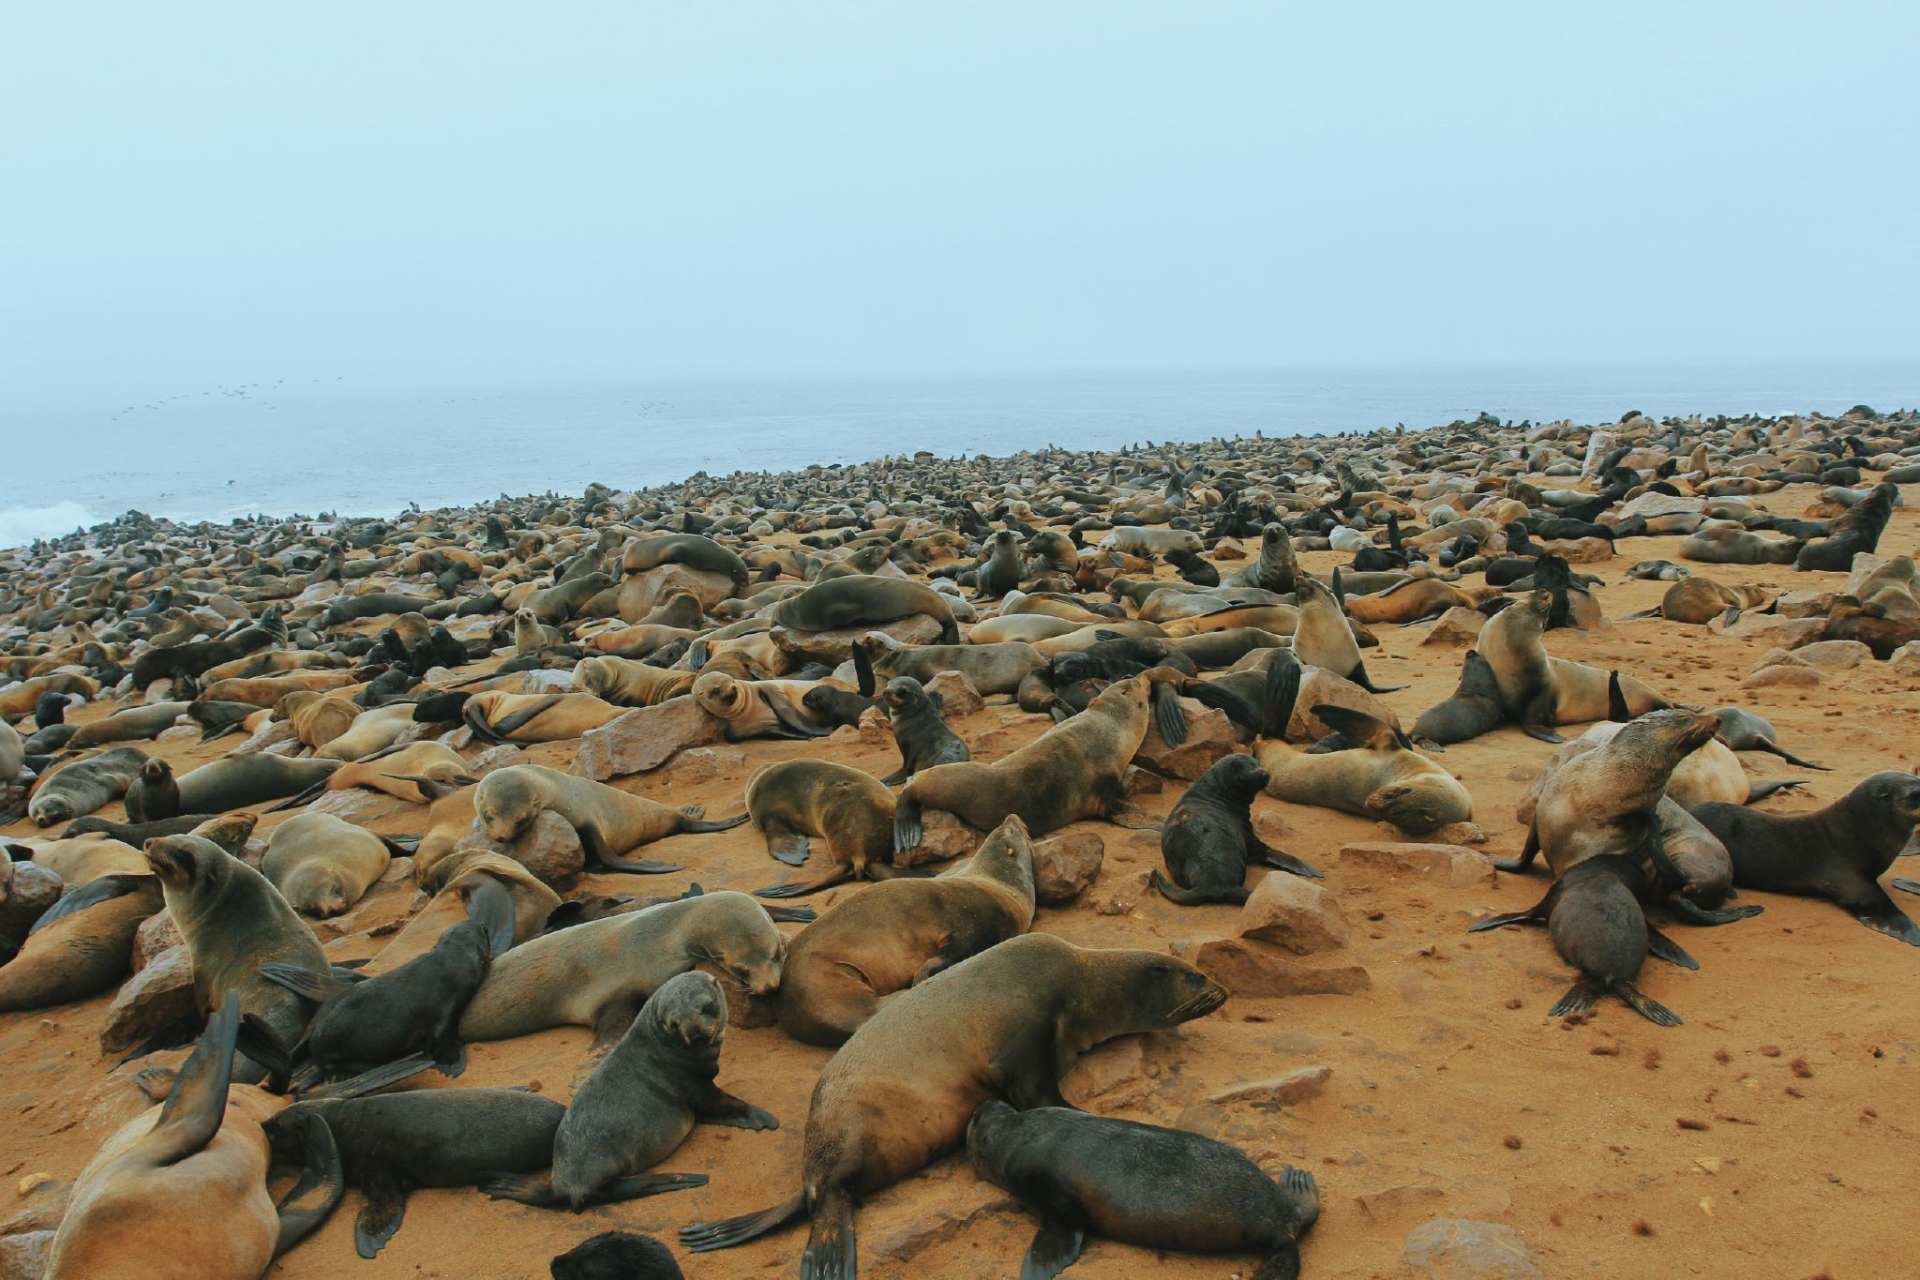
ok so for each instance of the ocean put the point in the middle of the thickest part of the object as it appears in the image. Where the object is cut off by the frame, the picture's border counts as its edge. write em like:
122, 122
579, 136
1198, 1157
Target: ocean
279, 449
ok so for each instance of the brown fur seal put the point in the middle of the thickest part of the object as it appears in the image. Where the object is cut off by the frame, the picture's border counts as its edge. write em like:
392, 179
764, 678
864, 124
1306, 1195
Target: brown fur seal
1003, 569
1323, 638
610, 821
598, 974
1415, 599
317, 718
1383, 777
1274, 569
323, 865
202, 1157
758, 708
1744, 730
1072, 771
1141, 1184
859, 600
371, 732
1730, 543
899, 933
154, 795
690, 549
1700, 600
1838, 853
919, 731
234, 782
1006, 1023
640, 1104
80, 946
849, 809
1473, 709
132, 724
453, 881
1208, 841
1711, 773
398, 771
234, 921
535, 717
627, 683
1277, 619
1538, 690
991, 668
77, 789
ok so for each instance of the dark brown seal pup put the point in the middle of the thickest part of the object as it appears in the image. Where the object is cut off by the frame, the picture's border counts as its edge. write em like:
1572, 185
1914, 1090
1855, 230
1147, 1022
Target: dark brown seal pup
616, 1255
1141, 1184
918, 729
899, 933
394, 1143
154, 795
1473, 709
640, 1104
1003, 569
1208, 840
1838, 853
1858, 530
1006, 1023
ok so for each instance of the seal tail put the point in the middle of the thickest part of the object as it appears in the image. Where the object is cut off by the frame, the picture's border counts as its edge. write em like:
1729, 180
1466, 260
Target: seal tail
705, 1237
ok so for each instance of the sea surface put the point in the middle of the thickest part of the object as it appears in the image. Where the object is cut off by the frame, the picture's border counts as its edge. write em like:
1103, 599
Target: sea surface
279, 448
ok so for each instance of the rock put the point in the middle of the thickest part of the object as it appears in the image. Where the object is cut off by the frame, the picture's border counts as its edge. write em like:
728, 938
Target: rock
549, 847
1462, 1249
876, 730
1293, 913
644, 738
1229, 549
1248, 968
1064, 865
1654, 503
1865, 565
1833, 655
398, 870
1291, 1089
178, 733
157, 934
25, 1256
275, 737
1790, 674
957, 1207
835, 647
1211, 735
1457, 628
957, 695
1318, 685
156, 998
1461, 868
358, 805
456, 739
637, 595
1138, 782
46, 1203
501, 756
1579, 550
1107, 1069
943, 836
703, 764
1804, 604
1906, 660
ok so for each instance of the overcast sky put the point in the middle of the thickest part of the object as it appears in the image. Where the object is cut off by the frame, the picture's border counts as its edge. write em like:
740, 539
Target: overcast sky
474, 193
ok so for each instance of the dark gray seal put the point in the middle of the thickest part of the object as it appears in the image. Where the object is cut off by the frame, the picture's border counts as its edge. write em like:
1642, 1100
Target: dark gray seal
1208, 840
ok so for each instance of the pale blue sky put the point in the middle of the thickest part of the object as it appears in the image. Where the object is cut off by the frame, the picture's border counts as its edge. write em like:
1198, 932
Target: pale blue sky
432, 193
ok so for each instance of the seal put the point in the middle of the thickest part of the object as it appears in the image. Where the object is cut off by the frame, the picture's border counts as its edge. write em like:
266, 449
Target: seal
1744, 730
640, 1104
233, 922
1838, 853
1855, 531
1072, 771
200, 1157
535, 717
1139, 1184
391, 1144
609, 821
830, 705
616, 1255
1006, 1023
627, 683
598, 974
77, 789
234, 782
1699, 600
132, 724
757, 708
851, 810
154, 795
323, 865
1726, 542
364, 1024
990, 668
1473, 709
862, 600
899, 933
1323, 637
81, 945
1413, 600
452, 881
1003, 568
690, 549
1381, 777
918, 730
1274, 569
405, 773
1538, 690
1208, 841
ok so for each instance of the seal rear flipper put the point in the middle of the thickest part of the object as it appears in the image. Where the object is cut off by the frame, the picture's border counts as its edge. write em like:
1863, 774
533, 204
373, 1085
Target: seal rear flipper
1528, 852
1282, 691
1192, 897
1056, 1246
784, 844
696, 826
721, 1107
1617, 709
907, 830
1759, 791
599, 853
263, 1045
725, 1233
1883, 916
1357, 726
1788, 756
91, 894
1693, 913
1360, 677
802, 888
511, 724
317, 987
1282, 1264
1579, 998
298, 798
1652, 1010
1279, 861
863, 669
197, 1102
374, 1080
535, 1189
1661, 947
1168, 716
833, 1251
1532, 915
380, 1217
314, 1197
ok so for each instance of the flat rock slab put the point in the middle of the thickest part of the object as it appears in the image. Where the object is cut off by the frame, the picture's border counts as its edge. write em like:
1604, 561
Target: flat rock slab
836, 647
644, 739
1462, 1249
1459, 866
1293, 913
1248, 968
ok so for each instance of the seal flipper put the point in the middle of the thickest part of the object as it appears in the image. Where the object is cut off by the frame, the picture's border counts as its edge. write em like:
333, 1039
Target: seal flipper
535, 1189
91, 894
197, 1103
1360, 677
1282, 1264
1758, 791
317, 987
374, 1080
1883, 916
1617, 709
1538, 717
784, 844
863, 670
314, 1197
1271, 857
833, 1251
1194, 897
599, 852
725, 1233
1370, 732
801, 888
1056, 1246
1786, 755
1652, 1010
1661, 947
298, 798
512, 723
907, 830
1168, 717
490, 906
380, 1217
721, 1107
263, 1045
1579, 998
792, 723
791, 915
1528, 852
694, 826
1693, 913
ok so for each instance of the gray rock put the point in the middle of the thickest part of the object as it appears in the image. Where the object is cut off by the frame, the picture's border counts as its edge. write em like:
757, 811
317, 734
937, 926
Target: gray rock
25, 1256
549, 847
1294, 913
1462, 1249
1248, 968
1300, 1085
1211, 735
1064, 865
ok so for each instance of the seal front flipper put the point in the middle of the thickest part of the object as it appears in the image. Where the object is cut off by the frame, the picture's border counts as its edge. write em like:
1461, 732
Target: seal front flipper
1168, 716
801, 888
317, 987
90, 894
1282, 1264
535, 1189
1528, 852
833, 1251
695, 826
1759, 791
314, 1197
721, 1107
725, 1233
784, 844
792, 915
198, 1101
1883, 916
380, 1217
1540, 714
1056, 1246
374, 1080
907, 830
1788, 756
1661, 947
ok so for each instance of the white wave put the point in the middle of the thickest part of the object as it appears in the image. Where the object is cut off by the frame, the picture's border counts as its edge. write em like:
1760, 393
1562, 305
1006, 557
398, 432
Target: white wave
21, 525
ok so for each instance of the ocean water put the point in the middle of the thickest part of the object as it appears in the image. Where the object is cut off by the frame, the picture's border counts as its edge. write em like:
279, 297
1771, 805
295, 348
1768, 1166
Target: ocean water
279, 449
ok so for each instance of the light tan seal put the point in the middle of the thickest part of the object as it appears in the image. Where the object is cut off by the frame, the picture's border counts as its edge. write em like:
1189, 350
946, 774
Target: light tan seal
609, 821
535, 717
1383, 777
323, 865
627, 683
1538, 690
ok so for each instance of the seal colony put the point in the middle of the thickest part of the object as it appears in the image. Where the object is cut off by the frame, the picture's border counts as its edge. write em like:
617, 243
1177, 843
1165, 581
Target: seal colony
1063, 750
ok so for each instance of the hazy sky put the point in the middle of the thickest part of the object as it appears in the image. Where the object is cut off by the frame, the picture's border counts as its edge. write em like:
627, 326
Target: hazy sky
473, 193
